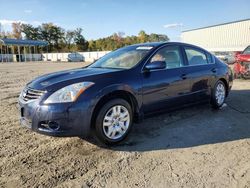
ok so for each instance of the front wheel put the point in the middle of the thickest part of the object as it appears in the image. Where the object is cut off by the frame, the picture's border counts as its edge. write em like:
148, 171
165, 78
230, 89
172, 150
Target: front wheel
114, 121
218, 95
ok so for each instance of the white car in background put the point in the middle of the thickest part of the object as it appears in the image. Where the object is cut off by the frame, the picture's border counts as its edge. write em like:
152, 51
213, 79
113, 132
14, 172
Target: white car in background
75, 57
227, 57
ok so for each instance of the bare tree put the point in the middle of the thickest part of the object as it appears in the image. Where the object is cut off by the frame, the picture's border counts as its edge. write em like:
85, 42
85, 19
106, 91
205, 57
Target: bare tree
17, 30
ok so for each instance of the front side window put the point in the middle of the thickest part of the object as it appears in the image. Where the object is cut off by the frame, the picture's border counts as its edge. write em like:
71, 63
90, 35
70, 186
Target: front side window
171, 56
195, 56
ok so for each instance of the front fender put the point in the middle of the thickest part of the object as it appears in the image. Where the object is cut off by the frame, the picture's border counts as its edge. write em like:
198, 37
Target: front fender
118, 87
135, 95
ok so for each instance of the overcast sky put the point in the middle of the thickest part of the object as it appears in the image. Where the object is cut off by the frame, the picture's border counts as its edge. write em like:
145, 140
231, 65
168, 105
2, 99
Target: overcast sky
100, 18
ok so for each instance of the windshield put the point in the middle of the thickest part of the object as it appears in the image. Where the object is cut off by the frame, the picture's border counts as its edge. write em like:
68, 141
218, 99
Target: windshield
124, 58
247, 51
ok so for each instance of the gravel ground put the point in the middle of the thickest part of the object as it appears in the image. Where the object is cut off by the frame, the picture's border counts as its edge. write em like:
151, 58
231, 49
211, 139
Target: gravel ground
194, 147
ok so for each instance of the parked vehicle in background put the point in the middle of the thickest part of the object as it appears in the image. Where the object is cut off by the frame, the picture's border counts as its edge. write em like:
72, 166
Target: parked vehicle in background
122, 87
75, 57
242, 64
227, 57
230, 58
221, 55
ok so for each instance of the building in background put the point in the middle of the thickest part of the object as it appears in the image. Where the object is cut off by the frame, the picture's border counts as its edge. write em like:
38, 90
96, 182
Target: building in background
226, 37
17, 50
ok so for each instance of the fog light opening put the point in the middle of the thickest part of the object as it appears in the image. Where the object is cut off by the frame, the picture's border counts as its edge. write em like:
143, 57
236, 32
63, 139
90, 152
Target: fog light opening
53, 125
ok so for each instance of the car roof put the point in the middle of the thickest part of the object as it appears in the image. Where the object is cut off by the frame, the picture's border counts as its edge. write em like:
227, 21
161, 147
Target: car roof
157, 44
153, 44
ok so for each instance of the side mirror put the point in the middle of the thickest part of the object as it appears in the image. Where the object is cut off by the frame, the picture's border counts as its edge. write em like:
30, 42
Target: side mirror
156, 65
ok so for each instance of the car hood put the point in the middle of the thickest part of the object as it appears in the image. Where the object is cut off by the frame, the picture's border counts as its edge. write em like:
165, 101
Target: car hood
63, 78
243, 57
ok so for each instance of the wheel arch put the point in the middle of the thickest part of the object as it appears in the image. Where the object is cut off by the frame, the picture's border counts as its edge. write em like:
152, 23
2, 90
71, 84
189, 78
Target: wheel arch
226, 85
123, 94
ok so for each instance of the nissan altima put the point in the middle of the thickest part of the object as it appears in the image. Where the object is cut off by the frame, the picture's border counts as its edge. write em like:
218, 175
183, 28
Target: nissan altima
123, 87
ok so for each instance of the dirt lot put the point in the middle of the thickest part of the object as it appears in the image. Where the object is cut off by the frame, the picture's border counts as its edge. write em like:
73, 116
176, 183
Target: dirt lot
195, 147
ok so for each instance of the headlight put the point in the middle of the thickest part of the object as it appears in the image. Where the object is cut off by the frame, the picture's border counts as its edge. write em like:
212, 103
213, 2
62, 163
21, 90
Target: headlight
69, 93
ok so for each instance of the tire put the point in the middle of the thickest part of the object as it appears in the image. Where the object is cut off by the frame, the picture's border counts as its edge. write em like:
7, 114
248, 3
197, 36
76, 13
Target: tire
218, 95
114, 121
243, 77
235, 76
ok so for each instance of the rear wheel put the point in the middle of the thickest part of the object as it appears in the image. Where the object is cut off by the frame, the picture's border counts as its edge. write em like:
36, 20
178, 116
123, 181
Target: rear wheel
113, 121
236, 76
218, 95
243, 76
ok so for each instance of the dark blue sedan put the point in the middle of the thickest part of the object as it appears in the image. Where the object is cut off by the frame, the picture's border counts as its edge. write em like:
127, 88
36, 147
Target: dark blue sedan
122, 87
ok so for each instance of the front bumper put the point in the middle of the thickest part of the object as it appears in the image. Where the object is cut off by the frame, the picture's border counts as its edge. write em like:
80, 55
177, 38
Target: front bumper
66, 119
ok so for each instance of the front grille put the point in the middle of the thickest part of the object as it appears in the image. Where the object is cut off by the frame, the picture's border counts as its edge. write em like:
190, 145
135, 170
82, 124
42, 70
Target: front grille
29, 94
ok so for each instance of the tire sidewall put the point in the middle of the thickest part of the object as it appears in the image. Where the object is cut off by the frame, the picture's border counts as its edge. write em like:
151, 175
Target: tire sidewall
213, 100
99, 121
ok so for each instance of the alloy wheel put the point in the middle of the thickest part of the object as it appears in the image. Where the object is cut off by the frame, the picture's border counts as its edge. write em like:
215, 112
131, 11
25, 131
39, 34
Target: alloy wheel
220, 93
116, 122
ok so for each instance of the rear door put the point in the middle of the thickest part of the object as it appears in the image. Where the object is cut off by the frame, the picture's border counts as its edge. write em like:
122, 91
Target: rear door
167, 87
202, 70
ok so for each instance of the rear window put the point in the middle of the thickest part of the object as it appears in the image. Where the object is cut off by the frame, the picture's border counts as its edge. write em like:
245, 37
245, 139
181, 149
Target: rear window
195, 56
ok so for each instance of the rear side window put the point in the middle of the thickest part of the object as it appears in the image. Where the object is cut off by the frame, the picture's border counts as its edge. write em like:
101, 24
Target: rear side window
195, 56
171, 55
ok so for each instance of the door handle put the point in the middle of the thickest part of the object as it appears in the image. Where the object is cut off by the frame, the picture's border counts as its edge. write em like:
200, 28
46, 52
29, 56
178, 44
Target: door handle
184, 76
214, 70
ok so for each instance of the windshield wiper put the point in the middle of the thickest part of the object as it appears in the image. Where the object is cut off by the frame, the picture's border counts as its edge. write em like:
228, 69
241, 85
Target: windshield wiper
97, 67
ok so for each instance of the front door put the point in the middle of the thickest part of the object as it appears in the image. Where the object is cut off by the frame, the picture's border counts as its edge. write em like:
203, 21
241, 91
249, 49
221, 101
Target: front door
165, 88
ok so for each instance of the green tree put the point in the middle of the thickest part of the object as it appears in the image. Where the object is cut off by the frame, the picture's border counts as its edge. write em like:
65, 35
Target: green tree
92, 45
30, 32
118, 40
157, 38
69, 39
79, 40
143, 37
52, 34
73, 40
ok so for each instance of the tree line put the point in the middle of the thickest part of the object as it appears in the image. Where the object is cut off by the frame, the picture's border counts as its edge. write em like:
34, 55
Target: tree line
61, 40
